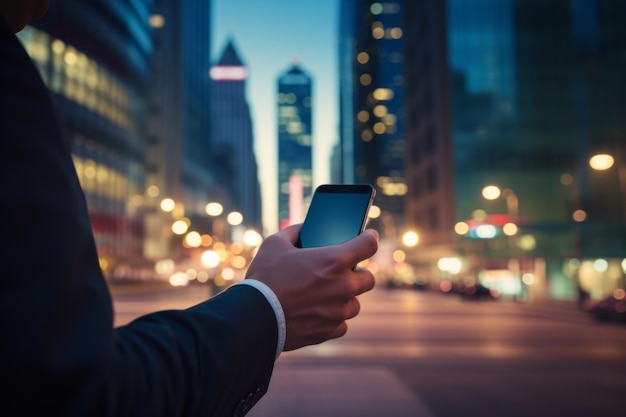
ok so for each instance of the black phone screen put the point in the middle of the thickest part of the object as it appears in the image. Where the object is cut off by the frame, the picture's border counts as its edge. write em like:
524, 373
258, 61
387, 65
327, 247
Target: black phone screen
337, 214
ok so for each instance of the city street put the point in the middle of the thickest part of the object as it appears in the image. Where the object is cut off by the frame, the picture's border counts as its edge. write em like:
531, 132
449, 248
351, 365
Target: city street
414, 353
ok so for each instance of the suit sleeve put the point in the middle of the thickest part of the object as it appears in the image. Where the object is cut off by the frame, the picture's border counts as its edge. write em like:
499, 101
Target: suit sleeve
215, 358
60, 354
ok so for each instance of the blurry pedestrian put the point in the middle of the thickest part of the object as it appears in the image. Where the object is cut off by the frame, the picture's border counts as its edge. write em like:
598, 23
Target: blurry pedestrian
61, 354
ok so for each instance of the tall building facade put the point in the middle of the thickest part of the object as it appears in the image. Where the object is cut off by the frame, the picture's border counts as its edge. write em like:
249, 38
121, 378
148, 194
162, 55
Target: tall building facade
179, 158
371, 82
530, 92
295, 134
430, 170
95, 58
232, 141
131, 82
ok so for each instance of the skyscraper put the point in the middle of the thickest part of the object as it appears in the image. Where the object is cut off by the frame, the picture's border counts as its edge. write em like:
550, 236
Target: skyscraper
181, 92
131, 83
371, 82
179, 159
507, 102
232, 146
295, 157
95, 58
429, 158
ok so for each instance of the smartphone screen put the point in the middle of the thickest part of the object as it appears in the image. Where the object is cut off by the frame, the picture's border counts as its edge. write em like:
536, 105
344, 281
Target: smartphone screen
337, 214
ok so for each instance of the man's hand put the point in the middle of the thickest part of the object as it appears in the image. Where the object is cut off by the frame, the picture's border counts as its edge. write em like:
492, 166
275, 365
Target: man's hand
317, 287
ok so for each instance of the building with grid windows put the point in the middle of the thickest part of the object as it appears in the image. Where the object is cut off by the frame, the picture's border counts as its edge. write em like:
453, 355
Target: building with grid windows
295, 147
371, 82
508, 102
130, 81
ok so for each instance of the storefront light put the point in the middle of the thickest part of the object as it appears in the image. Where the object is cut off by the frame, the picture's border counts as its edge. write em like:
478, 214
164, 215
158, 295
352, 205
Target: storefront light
461, 228
486, 231
509, 229
451, 265
600, 265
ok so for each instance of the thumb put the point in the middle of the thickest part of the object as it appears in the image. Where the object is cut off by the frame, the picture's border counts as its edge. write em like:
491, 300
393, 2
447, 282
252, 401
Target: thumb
361, 247
291, 233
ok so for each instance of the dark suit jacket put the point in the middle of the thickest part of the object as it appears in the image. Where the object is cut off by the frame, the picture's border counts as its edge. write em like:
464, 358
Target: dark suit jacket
60, 354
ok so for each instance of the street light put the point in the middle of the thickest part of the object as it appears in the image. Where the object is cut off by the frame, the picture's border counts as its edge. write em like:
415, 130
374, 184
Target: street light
603, 162
234, 218
410, 239
167, 205
181, 226
214, 209
492, 192
252, 238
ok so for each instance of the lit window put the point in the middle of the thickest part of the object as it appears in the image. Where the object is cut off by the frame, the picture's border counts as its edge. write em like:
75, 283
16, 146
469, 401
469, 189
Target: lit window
380, 110
365, 79
395, 33
58, 46
383, 94
89, 169
376, 8
379, 128
294, 127
390, 119
70, 57
157, 21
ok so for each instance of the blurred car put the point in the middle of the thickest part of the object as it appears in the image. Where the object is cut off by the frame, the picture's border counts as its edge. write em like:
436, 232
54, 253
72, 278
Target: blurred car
609, 309
479, 292
415, 285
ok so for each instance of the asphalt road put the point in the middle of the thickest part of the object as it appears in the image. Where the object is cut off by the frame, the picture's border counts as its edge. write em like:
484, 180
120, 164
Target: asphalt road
427, 354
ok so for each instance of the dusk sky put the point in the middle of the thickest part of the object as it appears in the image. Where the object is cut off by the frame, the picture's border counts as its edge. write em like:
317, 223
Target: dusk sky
269, 35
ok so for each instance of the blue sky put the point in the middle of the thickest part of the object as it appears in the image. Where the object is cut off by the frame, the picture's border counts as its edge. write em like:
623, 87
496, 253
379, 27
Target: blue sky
269, 35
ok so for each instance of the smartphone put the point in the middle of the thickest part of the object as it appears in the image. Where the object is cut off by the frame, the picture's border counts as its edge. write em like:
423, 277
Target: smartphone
338, 213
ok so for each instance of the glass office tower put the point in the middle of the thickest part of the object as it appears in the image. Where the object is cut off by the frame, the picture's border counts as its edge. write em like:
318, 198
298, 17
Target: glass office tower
131, 82
534, 92
371, 82
95, 58
295, 155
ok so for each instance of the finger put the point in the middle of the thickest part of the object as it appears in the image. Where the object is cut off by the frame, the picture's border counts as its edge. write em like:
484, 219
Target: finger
363, 281
339, 331
361, 247
353, 308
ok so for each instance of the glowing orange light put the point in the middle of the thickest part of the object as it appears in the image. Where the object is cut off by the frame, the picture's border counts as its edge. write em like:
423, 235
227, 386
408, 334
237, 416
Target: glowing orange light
601, 162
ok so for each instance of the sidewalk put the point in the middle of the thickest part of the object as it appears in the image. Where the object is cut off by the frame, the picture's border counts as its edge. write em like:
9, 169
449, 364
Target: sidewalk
339, 391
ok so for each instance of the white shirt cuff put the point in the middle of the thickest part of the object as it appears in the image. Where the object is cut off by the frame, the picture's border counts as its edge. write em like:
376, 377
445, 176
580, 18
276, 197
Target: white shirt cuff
278, 310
